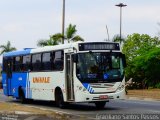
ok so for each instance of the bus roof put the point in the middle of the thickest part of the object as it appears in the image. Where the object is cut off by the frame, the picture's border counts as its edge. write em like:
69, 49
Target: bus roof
55, 47
15, 53
27, 51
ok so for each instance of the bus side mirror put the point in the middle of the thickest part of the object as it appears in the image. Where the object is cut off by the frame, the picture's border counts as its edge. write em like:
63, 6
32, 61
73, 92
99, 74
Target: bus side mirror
75, 58
124, 60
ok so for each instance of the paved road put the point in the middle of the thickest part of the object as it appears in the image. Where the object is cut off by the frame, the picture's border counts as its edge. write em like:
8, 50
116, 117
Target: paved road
112, 107
138, 108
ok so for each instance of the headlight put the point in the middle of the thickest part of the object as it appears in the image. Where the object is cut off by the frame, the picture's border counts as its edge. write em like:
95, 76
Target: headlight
80, 87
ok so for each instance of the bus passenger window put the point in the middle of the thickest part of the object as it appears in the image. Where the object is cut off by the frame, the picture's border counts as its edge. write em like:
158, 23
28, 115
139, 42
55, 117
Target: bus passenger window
46, 61
27, 63
5, 65
17, 64
58, 60
36, 62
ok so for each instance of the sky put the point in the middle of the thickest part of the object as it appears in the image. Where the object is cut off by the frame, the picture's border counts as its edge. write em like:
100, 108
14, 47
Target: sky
24, 22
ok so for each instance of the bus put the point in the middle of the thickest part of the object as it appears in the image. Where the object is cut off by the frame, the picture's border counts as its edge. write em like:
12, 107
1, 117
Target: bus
90, 72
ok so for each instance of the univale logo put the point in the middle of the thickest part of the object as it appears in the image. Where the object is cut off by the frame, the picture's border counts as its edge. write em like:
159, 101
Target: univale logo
41, 79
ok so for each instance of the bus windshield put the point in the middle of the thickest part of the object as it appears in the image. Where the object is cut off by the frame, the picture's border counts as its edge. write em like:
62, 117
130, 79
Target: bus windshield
100, 67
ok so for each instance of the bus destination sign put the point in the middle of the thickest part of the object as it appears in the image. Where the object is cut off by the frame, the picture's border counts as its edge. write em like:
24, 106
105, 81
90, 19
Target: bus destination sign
98, 46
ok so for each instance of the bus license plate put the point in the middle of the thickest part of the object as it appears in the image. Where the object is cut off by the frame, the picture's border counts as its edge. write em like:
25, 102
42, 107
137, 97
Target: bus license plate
103, 97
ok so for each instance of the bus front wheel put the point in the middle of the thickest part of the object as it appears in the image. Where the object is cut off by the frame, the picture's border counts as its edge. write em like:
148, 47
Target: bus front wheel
59, 98
100, 105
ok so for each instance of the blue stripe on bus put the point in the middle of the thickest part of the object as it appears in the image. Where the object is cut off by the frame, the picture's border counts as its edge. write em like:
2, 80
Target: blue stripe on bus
15, 53
88, 87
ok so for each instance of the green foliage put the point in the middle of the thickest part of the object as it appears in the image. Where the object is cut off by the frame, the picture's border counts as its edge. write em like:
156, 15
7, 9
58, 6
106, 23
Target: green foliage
158, 85
116, 38
142, 56
52, 41
148, 66
6, 48
57, 37
77, 38
71, 31
70, 35
136, 45
134, 86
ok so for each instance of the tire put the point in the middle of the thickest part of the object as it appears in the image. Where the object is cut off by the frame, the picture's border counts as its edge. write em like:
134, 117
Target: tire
22, 96
59, 99
100, 105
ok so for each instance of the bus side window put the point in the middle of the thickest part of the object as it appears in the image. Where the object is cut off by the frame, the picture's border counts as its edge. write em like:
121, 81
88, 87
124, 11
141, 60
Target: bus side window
59, 60
46, 61
4, 67
27, 63
17, 65
36, 62
7, 66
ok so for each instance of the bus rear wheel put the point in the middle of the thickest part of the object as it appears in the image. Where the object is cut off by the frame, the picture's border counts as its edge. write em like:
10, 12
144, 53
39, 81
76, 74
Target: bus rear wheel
22, 96
59, 99
100, 105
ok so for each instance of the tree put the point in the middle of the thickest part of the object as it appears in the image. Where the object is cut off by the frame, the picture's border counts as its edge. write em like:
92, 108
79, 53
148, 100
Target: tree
139, 50
147, 67
52, 41
136, 45
116, 38
159, 30
70, 34
6, 48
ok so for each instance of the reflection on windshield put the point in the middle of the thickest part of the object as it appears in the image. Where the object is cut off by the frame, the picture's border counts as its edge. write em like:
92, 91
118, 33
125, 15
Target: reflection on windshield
100, 67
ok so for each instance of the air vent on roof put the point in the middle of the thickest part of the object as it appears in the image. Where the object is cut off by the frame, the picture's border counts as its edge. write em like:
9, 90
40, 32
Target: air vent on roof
27, 48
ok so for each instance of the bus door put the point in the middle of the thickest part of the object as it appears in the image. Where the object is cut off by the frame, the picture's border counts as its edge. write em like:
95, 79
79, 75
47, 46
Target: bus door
8, 68
69, 77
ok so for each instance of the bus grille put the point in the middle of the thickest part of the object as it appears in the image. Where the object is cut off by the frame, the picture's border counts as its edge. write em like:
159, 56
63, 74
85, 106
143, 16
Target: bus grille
102, 85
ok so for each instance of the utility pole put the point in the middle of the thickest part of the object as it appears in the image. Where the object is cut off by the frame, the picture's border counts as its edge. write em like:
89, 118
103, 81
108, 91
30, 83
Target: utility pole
63, 20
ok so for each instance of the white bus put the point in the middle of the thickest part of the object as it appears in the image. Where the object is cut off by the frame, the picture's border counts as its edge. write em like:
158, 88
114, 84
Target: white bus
75, 72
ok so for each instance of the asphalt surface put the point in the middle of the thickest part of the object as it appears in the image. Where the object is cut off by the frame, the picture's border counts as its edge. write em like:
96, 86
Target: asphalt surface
115, 109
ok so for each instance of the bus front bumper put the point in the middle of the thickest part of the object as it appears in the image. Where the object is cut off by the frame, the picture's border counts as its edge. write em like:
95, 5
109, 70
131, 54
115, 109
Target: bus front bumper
87, 97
